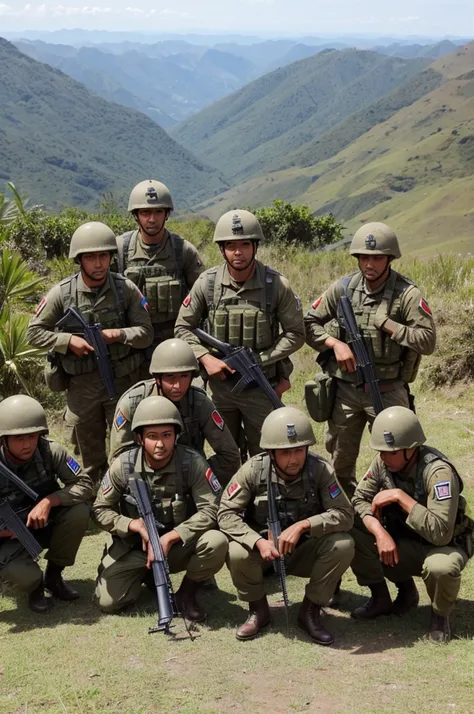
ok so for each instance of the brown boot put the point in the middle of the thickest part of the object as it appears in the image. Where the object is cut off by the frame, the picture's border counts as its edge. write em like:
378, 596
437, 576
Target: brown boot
379, 604
53, 581
186, 600
440, 630
309, 619
37, 601
408, 597
258, 617
335, 600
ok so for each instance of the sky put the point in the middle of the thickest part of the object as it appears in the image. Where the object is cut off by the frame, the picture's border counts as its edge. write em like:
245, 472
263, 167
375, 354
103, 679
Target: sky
263, 17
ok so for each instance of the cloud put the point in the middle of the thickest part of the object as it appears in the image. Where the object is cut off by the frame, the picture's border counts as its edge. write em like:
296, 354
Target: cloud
52, 10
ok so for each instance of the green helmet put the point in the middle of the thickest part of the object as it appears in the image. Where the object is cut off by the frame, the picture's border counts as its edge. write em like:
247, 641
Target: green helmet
396, 428
237, 225
375, 239
286, 428
92, 237
22, 414
173, 356
156, 410
150, 194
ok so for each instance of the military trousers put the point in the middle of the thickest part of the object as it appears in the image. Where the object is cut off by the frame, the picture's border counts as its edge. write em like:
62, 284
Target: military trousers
353, 409
121, 574
249, 408
89, 412
62, 537
323, 560
440, 567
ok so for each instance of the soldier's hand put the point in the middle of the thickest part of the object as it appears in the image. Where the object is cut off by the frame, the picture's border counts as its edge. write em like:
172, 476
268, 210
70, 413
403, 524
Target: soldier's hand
345, 357
267, 550
283, 386
138, 526
79, 346
110, 336
384, 498
38, 516
215, 367
289, 538
387, 548
169, 539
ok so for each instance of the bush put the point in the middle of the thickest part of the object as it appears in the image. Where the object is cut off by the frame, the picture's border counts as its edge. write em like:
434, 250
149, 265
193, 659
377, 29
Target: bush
285, 223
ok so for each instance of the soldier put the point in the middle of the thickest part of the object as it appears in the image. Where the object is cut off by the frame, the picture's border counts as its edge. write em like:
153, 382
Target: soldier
59, 519
173, 365
396, 322
184, 492
413, 522
245, 303
315, 516
115, 303
162, 264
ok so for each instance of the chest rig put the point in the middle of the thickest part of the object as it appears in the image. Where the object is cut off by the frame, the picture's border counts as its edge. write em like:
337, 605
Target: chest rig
38, 474
161, 281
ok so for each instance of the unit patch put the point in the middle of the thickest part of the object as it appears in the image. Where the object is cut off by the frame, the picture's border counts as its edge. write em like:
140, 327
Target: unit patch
317, 302
144, 302
334, 489
120, 420
218, 420
233, 489
105, 484
213, 481
73, 465
187, 300
443, 490
40, 307
424, 307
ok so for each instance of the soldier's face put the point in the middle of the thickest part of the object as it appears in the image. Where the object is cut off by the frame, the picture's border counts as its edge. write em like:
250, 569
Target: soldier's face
175, 386
22, 447
290, 461
239, 253
96, 265
397, 460
152, 220
158, 442
373, 267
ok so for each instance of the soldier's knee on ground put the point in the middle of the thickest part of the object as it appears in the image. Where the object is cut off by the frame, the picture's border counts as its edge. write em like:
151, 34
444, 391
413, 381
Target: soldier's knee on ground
104, 600
23, 574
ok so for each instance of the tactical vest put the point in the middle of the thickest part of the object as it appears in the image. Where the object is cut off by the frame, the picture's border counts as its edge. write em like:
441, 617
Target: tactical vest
38, 474
124, 359
391, 360
290, 510
164, 287
172, 503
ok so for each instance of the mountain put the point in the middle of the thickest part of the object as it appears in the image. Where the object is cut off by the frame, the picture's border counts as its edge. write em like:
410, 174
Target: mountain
63, 145
432, 51
255, 129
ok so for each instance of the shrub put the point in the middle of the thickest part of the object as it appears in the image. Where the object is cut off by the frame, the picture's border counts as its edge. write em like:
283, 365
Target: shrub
285, 223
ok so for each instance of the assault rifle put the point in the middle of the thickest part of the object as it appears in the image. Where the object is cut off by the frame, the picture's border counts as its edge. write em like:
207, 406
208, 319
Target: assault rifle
242, 359
9, 520
167, 607
93, 335
274, 527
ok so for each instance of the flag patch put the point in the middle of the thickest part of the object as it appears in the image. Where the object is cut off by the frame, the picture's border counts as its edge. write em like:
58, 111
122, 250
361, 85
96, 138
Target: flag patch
334, 489
213, 481
443, 490
424, 307
218, 420
367, 476
187, 300
40, 307
120, 420
105, 484
317, 302
73, 465
144, 302
233, 489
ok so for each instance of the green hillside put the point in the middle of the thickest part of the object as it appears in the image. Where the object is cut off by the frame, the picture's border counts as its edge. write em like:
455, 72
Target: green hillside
254, 129
65, 146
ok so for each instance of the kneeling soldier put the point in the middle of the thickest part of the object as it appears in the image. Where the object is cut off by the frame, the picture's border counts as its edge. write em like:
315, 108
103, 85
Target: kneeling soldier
414, 523
314, 513
184, 492
59, 518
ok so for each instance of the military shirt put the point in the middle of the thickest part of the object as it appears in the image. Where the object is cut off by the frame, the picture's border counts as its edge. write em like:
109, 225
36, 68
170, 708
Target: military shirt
106, 509
287, 311
439, 483
332, 510
138, 334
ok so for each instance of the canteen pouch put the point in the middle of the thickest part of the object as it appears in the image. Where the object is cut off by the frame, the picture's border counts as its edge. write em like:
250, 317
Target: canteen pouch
319, 394
57, 380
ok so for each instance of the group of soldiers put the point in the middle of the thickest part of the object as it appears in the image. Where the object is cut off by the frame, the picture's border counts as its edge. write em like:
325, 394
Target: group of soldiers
406, 517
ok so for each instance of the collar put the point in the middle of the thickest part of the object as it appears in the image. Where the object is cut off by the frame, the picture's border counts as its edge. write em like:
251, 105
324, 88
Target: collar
253, 283
97, 290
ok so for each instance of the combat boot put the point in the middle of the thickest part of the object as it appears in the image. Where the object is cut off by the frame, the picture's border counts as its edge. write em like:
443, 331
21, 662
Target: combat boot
186, 600
440, 630
335, 600
380, 603
37, 601
258, 617
309, 619
53, 581
407, 597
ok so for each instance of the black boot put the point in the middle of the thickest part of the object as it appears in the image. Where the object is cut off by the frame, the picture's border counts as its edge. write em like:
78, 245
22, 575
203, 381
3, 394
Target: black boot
209, 584
309, 619
335, 601
37, 601
440, 630
53, 581
258, 617
186, 600
379, 604
407, 597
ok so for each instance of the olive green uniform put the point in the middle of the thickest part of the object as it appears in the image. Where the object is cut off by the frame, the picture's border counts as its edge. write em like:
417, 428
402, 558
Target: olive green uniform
186, 485
116, 304
202, 422
263, 314
67, 523
323, 555
434, 540
398, 304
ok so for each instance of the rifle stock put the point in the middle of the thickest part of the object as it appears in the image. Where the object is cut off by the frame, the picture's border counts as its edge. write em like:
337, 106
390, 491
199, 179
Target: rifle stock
9, 520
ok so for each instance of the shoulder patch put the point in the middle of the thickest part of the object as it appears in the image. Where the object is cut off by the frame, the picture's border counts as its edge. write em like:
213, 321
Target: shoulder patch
334, 489
424, 307
213, 481
298, 303
233, 489
218, 420
317, 302
105, 484
144, 302
187, 300
73, 465
120, 420
367, 476
40, 307
443, 490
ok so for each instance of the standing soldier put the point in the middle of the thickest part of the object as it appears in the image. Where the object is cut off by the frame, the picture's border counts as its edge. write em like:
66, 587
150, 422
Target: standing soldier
59, 518
245, 303
184, 494
412, 522
173, 366
398, 327
314, 513
163, 265
121, 310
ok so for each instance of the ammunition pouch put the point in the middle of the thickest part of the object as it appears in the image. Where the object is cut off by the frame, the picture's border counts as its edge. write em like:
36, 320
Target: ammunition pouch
55, 377
320, 395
